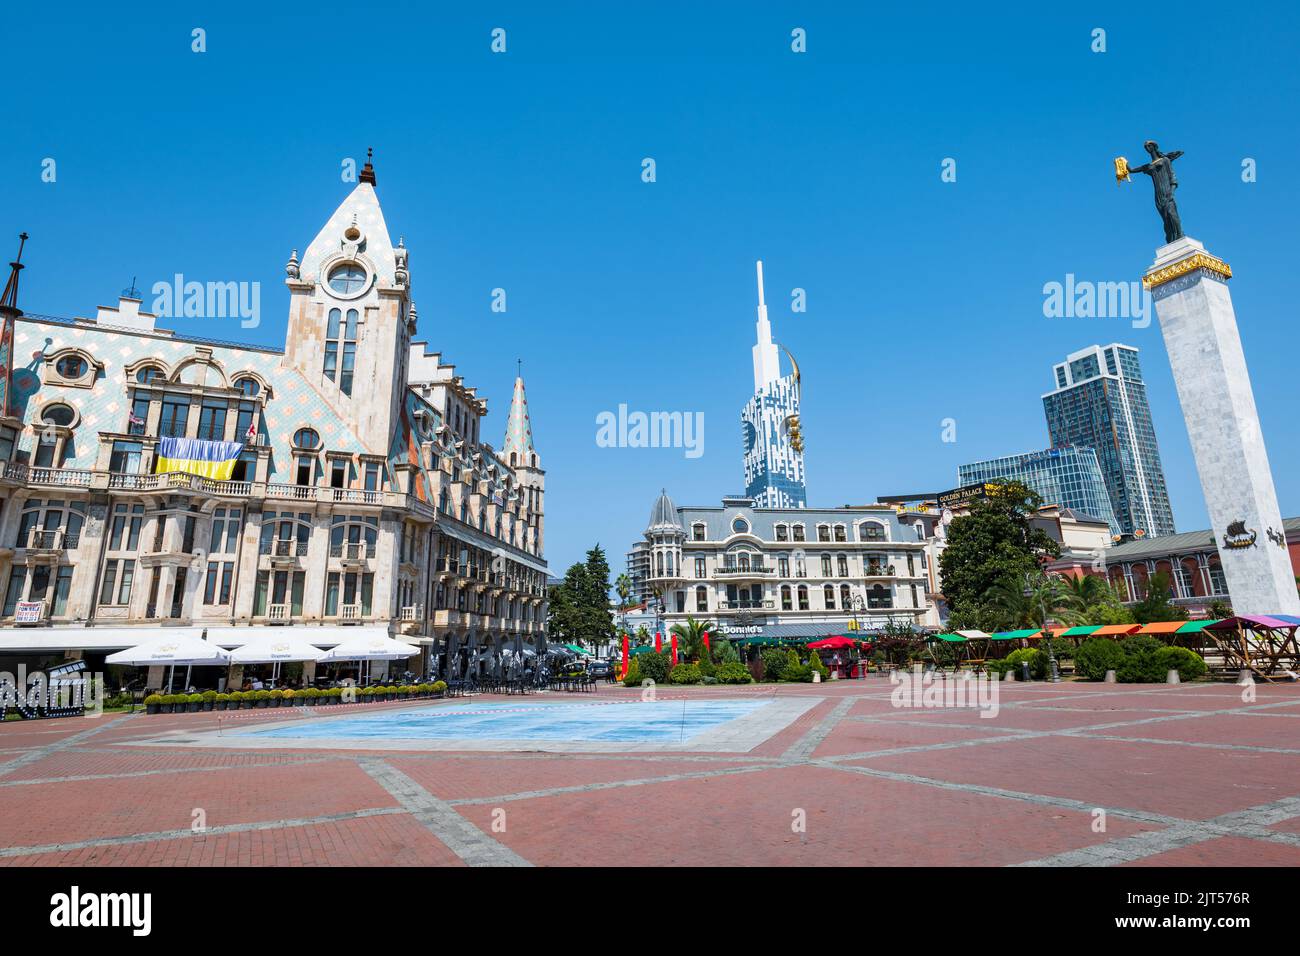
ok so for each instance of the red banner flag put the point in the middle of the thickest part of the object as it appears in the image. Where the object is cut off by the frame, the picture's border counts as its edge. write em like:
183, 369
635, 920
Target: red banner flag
674, 650
659, 643
707, 646
625, 651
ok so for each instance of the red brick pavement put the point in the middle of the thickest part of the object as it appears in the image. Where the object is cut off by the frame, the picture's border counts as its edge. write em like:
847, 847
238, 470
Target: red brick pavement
924, 805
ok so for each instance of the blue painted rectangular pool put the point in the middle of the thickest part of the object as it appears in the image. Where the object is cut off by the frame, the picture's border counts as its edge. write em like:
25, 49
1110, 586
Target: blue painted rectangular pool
637, 721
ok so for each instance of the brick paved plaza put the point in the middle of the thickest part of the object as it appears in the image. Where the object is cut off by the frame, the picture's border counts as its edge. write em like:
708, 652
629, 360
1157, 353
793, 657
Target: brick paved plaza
1187, 775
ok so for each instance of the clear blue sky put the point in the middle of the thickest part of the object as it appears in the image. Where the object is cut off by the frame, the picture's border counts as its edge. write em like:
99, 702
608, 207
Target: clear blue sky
522, 171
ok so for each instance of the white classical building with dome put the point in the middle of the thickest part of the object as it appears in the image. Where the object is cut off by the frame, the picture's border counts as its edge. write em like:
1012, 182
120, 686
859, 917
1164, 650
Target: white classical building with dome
364, 495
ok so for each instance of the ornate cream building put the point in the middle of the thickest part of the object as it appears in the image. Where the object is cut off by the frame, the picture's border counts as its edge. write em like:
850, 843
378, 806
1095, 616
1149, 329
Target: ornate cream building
364, 497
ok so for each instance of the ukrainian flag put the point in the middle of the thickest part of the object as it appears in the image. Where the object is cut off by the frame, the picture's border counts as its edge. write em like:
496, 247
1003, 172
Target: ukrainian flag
193, 456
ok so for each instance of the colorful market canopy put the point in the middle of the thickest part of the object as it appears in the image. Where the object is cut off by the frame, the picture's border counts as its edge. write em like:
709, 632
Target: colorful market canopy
1115, 630
643, 649
1025, 633
575, 648
1082, 631
1192, 627
950, 638
973, 635
1161, 627
1256, 622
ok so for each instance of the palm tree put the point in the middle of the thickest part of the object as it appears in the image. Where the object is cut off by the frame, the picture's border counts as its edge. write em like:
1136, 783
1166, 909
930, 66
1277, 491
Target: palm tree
1030, 601
623, 588
690, 636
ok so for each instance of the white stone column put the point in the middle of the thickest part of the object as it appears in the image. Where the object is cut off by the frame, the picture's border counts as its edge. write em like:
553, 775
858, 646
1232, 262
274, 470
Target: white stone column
1190, 289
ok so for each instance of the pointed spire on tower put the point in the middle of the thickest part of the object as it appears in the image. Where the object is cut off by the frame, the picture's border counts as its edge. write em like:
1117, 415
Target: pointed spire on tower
367, 174
767, 362
519, 428
9, 300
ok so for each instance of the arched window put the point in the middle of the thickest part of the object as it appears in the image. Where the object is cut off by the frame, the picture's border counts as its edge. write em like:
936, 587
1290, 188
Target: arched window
58, 414
341, 348
786, 604
803, 597
701, 598
828, 593
306, 438
248, 386
149, 374
846, 598
871, 531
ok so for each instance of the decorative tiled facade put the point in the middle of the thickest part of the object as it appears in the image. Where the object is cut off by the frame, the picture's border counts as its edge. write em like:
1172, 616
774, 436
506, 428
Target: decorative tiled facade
364, 494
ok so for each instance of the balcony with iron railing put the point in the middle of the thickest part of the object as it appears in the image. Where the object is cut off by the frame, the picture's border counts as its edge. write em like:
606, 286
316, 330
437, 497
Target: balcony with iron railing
285, 549
57, 539
743, 569
766, 605
352, 551
879, 571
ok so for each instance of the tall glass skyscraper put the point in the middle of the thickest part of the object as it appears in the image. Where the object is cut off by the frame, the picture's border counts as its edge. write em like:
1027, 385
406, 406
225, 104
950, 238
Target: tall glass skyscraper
1069, 477
1101, 402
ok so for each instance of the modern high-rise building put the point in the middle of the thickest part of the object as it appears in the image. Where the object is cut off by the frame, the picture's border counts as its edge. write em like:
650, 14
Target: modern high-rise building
774, 475
1100, 401
1069, 477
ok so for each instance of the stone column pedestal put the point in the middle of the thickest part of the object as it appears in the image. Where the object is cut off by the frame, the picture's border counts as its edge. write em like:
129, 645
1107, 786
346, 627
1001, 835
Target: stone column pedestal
1190, 289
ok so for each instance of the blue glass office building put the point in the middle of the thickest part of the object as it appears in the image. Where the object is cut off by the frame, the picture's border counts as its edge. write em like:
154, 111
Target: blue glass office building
1100, 401
1069, 477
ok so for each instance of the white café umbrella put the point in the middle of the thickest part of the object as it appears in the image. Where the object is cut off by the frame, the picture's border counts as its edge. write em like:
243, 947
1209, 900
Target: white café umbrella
375, 648
268, 649
167, 649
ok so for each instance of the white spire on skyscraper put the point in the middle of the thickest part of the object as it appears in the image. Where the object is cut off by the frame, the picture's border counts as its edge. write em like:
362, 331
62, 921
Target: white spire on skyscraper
767, 364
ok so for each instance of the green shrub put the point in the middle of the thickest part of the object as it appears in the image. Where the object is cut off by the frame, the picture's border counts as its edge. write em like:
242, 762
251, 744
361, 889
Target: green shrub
1097, 655
685, 674
1036, 658
706, 664
654, 666
277, 695
194, 699
733, 672
154, 699
208, 695
708, 679
633, 676
774, 663
1140, 664
724, 652
1188, 663
440, 687
235, 696
815, 662
261, 695
223, 698
797, 672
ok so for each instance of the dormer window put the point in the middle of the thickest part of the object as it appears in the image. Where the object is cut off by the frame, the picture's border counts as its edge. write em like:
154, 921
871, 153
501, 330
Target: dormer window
347, 279
740, 526
150, 373
71, 366
248, 386
306, 438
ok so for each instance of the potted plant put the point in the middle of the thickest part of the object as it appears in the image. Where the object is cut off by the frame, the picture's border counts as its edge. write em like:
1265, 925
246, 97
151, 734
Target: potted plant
153, 703
439, 688
276, 698
209, 699
366, 695
221, 701
194, 703
288, 697
310, 696
261, 698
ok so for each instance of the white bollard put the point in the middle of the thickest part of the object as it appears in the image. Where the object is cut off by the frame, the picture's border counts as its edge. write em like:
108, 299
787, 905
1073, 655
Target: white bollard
1009, 677
1110, 678
1245, 678
1173, 678
817, 677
